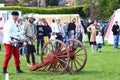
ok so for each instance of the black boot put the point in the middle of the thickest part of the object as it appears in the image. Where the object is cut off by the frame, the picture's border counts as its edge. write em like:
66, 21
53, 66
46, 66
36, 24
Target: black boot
19, 70
0, 48
4, 71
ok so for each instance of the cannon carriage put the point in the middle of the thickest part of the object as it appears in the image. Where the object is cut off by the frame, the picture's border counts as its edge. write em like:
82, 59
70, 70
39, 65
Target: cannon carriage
56, 57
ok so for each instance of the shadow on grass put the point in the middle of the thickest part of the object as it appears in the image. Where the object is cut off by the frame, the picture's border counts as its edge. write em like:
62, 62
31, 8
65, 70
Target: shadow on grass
39, 72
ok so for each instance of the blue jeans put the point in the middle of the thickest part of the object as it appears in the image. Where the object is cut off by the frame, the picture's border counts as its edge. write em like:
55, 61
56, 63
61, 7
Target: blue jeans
71, 36
98, 46
40, 42
65, 39
116, 41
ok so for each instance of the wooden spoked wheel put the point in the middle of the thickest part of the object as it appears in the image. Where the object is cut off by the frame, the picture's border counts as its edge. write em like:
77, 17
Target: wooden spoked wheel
78, 54
55, 57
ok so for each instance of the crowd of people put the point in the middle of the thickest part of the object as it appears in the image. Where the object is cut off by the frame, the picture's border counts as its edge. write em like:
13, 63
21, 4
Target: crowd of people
96, 34
94, 29
20, 35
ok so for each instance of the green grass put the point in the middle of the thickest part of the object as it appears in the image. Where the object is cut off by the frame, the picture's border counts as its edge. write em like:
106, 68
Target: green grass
99, 66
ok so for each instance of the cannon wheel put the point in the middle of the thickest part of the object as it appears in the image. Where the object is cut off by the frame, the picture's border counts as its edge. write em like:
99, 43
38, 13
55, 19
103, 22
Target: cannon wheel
78, 54
53, 52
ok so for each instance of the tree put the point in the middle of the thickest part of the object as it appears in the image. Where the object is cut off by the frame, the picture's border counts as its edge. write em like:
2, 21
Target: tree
107, 7
101, 9
75, 2
91, 8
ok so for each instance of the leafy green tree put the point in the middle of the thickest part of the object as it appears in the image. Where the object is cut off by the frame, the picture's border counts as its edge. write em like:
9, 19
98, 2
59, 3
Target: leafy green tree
91, 7
107, 7
76, 2
102, 9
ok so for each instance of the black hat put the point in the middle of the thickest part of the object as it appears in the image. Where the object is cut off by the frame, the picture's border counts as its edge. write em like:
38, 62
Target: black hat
15, 13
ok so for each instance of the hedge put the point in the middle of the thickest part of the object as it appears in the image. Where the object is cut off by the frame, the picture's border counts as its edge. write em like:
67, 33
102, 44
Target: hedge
54, 10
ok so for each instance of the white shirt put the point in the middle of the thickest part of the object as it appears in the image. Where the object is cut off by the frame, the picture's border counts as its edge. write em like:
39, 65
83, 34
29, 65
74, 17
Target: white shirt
10, 30
21, 32
56, 28
78, 29
99, 39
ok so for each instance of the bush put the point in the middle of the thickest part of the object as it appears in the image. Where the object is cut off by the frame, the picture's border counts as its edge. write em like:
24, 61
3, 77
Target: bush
54, 10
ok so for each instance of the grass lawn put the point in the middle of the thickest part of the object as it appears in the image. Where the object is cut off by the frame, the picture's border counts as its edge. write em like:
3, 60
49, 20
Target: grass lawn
99, 66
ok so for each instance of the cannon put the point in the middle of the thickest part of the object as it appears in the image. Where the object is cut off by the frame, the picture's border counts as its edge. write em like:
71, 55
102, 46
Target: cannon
56, 57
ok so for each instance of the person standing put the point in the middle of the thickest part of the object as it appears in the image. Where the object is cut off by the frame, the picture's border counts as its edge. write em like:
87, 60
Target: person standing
71, 29
99, 41
57, 29
93, 31
79, 33
65, 30
47, 30
29, 33
40, 39
21, 29
115, 30
53, 34
10, 30
87, 25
